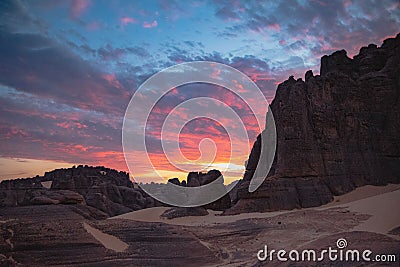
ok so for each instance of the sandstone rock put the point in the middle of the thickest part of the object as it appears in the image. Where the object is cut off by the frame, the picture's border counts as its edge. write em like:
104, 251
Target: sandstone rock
174, 181
198, 179
309, 74
193, 179
104, 204
338, 61
335, 132
81, 178
105, 189
210, 177
21, 196
41, 200
178, 212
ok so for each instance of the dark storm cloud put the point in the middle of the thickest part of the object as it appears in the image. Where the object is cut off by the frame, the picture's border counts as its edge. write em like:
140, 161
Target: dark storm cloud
39, 66
13, 14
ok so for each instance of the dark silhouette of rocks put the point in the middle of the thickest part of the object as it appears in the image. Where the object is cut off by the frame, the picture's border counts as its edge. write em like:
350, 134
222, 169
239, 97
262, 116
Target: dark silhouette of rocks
335, 132
174, 181
195, 179
107, 190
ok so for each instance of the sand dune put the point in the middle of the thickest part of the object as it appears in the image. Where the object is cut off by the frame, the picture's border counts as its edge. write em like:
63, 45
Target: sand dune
378, 201
381, 202
362, 193
108, 241
384, 210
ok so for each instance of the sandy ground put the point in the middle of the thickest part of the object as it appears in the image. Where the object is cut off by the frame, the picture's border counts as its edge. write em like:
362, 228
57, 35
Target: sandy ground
380, 202
362, 193
154, 215
362, 217
108, 241
384, 210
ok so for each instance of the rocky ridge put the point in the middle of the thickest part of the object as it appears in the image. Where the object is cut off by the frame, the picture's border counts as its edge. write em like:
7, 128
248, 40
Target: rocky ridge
107, 190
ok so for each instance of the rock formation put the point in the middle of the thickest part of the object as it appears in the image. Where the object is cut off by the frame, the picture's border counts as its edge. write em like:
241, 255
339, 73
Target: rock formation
195, 179
335, 131
109, 191
105, 189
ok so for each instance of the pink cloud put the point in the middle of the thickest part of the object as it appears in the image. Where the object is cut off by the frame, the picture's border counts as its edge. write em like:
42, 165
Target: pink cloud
14, 131
150, 25
276, 27
260, 77
112, 80
72, 125
127, 20
78, 7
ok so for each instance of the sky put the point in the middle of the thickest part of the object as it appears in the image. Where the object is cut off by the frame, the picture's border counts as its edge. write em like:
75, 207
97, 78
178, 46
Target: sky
68, 70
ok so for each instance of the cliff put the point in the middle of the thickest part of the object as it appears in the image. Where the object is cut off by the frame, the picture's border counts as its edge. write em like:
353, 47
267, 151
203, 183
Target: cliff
335, 131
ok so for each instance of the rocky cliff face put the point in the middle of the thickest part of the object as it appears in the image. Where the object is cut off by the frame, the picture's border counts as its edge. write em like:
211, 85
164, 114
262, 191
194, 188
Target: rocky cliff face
335, 131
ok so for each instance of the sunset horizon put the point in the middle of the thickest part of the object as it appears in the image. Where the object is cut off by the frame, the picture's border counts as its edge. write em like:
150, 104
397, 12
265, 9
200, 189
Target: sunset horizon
199, 133
72, 112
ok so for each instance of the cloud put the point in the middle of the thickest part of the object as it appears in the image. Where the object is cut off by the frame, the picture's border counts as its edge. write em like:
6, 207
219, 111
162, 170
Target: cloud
42, 67
108, 52
64, 92
15, 13
323, 26
78, 7
276, 27
127, 20
32, 127
150, 24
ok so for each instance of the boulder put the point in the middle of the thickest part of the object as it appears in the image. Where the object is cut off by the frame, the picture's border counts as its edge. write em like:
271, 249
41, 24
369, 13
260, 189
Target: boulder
195, 179
174, 181
178, 212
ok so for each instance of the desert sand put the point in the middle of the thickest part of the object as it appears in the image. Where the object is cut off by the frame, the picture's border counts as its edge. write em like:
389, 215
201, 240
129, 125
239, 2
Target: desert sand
362, 193
365, 217
378, 202
108, 241
213, 217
